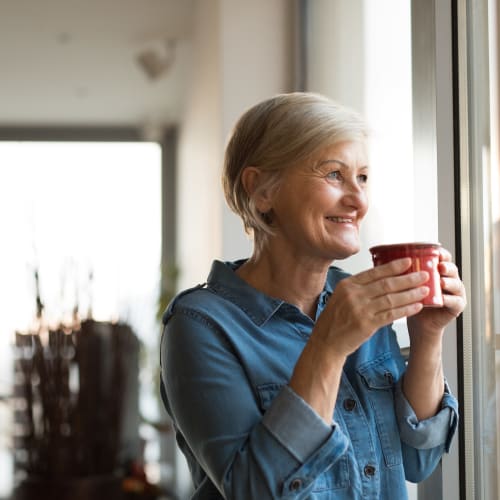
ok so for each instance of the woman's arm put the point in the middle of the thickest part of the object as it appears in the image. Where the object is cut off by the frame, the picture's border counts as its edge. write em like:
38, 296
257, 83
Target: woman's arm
423, 383
249, 445
358, 307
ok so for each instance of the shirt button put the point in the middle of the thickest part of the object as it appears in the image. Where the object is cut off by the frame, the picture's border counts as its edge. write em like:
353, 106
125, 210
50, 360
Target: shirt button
369, 470
295, 484
349, 404
389, 377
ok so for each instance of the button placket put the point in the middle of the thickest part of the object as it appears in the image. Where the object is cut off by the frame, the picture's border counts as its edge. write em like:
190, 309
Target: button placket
356, 424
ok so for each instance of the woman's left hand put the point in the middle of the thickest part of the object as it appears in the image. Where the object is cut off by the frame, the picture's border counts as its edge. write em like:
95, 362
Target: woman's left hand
433, 320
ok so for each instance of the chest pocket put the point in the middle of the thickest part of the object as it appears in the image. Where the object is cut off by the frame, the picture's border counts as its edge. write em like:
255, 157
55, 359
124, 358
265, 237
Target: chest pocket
337, 476
380, 375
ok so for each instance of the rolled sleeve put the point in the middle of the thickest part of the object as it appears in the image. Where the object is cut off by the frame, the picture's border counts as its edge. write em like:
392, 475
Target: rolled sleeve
429, 433
286, 420
317, 450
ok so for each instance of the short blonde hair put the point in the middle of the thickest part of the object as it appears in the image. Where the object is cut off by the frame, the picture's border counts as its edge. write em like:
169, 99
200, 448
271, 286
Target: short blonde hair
276, 134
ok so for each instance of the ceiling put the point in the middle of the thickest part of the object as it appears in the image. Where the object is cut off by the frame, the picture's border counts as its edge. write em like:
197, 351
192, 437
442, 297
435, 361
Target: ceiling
75, 62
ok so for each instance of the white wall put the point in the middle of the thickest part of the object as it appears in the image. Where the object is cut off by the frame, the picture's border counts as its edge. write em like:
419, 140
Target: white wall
336, 54
241, 54
256, 63
199, 212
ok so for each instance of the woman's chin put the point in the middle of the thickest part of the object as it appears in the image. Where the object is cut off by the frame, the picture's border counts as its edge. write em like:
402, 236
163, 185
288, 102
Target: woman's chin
346, 251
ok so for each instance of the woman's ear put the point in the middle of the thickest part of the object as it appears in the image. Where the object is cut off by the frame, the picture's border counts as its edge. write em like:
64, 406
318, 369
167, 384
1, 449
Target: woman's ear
252, 179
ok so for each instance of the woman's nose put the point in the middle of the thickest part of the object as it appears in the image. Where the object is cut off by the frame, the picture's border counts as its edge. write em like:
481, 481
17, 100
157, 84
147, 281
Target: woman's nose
355, 195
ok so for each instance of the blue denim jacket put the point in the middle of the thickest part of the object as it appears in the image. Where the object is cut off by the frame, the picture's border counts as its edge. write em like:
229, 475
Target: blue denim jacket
227, 355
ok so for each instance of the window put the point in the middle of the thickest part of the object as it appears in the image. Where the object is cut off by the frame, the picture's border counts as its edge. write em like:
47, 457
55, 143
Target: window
87, 218
478, 44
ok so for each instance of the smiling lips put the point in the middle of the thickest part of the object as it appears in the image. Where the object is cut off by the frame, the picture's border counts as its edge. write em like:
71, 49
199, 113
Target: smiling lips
341, 219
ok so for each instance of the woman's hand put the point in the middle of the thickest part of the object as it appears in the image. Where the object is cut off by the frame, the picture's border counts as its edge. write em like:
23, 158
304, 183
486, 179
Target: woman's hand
423, 382
363, 303
432, 321
358, 307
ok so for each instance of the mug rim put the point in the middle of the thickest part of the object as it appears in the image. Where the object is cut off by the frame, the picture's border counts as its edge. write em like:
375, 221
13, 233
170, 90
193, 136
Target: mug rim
418, 245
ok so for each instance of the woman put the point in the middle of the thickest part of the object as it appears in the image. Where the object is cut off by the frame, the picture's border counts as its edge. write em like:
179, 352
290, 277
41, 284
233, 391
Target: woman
280, 373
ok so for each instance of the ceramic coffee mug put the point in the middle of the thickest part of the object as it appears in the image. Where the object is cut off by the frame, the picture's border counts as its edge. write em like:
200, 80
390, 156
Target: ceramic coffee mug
424, 257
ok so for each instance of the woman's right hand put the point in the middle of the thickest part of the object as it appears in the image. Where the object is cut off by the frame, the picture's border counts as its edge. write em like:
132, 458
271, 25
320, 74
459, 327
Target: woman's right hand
363, 303
358, 307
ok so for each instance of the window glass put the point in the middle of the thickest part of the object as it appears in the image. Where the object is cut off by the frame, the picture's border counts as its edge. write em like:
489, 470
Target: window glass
86, 219
478, 40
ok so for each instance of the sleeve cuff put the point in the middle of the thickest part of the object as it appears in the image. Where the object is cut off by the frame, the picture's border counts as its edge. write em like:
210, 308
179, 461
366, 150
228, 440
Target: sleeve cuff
429, 433
287, 418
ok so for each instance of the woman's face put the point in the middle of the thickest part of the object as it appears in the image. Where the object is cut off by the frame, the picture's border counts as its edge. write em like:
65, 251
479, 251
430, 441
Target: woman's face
318, 207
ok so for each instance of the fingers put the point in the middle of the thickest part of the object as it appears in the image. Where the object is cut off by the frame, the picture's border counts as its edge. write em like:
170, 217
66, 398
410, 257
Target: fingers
453, 286
399, 299
393, 268
389, 292
355, 312
455, 304
387, 281
385, 297
448, 269
388, 316
454, 297
444, 255
395, 284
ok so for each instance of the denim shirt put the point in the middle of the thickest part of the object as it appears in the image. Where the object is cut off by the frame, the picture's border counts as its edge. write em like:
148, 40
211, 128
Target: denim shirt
227, 355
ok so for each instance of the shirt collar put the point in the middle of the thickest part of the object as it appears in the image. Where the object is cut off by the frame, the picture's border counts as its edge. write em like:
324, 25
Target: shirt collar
257, 305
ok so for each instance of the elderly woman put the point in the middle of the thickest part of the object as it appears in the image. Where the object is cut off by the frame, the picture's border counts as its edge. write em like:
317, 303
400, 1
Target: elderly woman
281, 373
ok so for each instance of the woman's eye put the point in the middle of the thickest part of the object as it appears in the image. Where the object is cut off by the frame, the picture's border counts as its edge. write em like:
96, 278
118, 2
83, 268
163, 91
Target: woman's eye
362, 178
334, 176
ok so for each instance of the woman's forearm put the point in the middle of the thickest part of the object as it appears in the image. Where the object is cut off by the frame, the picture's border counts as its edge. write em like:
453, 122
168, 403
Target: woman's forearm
423, 383
316, 379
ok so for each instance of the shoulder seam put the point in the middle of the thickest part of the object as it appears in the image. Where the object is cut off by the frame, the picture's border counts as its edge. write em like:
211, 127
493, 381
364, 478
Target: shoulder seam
197, 316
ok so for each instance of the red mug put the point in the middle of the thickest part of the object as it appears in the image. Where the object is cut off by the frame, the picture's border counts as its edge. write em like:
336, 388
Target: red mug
424, 257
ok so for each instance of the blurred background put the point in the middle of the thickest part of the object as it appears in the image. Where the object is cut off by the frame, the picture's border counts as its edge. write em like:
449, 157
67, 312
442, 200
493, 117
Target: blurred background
114, 115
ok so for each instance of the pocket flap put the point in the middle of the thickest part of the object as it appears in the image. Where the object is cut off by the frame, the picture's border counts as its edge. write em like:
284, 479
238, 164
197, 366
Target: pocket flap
380, 373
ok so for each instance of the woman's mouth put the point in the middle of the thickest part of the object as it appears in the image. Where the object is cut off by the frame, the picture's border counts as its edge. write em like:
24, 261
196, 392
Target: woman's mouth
343, 220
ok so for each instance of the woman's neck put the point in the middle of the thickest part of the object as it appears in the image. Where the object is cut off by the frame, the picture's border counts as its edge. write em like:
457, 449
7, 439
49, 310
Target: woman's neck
283, 276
